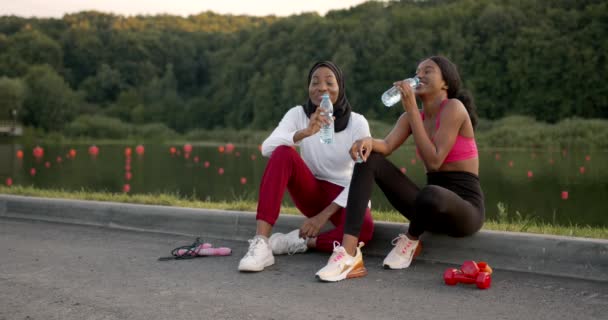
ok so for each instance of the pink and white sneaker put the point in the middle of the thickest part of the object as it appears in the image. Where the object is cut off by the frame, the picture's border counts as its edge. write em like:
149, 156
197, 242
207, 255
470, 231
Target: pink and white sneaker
342, 266
403, 252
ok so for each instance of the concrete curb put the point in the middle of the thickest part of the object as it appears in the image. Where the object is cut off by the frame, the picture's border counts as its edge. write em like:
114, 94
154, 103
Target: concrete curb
542, 254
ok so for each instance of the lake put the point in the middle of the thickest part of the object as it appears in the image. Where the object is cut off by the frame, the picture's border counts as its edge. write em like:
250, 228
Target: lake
563, 187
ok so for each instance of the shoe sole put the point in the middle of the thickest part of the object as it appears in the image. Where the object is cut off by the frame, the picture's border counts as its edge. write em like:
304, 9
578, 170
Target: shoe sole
416, 253
357, 271
268, 263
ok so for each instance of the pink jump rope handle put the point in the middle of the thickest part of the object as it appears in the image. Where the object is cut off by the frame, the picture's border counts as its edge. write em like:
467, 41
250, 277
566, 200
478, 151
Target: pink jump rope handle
207, 249
223, 251
182, 252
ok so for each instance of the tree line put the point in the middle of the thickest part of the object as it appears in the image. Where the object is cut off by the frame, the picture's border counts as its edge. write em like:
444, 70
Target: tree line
540, 58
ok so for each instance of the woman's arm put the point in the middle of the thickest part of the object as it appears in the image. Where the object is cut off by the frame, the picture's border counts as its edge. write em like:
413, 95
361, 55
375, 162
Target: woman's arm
400, 132
283, 134
287, 133
434, 152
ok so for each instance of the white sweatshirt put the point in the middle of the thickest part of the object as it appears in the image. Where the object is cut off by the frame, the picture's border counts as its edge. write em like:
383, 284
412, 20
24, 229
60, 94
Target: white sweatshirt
329, 162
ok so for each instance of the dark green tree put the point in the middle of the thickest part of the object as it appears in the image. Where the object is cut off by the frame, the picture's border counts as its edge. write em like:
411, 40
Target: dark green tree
49, 103
12, 94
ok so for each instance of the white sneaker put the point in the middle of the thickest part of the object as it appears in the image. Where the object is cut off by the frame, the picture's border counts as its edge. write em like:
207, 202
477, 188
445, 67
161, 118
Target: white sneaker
343, 266
404, 251
290, 243
258, 257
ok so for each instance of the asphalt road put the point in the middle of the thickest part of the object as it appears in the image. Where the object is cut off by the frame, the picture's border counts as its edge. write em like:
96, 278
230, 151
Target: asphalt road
58, 271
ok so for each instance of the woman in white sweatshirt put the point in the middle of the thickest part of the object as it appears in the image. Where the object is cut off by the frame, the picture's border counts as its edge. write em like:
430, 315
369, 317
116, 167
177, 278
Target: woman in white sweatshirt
317, 179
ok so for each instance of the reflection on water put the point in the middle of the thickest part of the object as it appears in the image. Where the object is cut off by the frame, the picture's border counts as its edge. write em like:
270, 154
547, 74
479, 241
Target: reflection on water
561, 186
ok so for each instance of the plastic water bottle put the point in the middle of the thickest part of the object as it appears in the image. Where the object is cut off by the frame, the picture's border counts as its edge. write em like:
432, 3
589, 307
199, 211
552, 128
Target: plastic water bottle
391, 96
359, 159
327, 131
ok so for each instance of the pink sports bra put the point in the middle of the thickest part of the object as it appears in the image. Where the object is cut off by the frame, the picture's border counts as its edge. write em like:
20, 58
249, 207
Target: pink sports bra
464, 148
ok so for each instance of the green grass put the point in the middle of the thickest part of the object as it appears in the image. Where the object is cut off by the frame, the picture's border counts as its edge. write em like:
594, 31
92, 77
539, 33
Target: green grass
505, 221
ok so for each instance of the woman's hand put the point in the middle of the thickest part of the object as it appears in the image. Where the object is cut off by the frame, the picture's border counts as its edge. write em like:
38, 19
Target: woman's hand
362, 148
316, 121
312, 226
408, 96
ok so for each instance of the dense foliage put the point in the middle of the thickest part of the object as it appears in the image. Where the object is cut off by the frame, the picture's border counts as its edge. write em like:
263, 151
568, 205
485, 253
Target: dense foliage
544, 59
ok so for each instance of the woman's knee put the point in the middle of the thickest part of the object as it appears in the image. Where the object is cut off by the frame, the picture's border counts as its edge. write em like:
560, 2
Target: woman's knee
283, 151
375, 158
372, 162
283, 154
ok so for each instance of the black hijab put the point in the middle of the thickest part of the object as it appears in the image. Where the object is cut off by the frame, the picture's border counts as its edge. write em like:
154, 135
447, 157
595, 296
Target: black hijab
342, 107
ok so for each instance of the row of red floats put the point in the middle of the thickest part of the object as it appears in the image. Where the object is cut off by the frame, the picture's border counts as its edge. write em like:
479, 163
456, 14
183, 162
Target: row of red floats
187, 149
38, 153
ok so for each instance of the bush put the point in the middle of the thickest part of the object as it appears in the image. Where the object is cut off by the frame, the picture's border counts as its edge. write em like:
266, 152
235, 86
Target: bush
518, 131
154, 131
100, 127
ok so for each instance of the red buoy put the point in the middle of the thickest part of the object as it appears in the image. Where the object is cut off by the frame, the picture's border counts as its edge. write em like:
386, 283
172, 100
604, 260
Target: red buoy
38, 152
140, 150
93, 150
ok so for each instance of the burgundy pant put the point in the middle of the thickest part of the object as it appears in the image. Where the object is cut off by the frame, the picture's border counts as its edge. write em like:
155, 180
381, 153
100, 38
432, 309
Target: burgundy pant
286, 169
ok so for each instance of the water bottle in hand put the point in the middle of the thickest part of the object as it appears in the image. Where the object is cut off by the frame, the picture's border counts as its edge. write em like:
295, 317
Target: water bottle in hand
327, 130
392, 95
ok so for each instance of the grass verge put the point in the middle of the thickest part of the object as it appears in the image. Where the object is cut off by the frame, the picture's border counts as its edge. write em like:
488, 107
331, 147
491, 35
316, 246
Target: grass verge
503, 223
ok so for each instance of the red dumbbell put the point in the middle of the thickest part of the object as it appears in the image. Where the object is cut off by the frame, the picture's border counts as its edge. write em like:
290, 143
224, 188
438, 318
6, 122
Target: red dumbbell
470, 272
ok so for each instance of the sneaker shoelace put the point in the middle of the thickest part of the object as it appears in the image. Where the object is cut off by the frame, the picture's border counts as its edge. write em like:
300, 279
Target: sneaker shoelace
296, 247
403, 243
337, 255
253, 245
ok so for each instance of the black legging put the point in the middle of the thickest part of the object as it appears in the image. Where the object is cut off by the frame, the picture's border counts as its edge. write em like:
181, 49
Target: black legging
450, 203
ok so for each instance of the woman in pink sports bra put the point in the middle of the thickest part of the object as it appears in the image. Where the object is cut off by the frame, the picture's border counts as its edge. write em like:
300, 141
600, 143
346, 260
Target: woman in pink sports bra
451, 202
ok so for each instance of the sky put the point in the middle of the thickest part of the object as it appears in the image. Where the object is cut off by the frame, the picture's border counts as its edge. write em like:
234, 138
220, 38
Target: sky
57, 8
